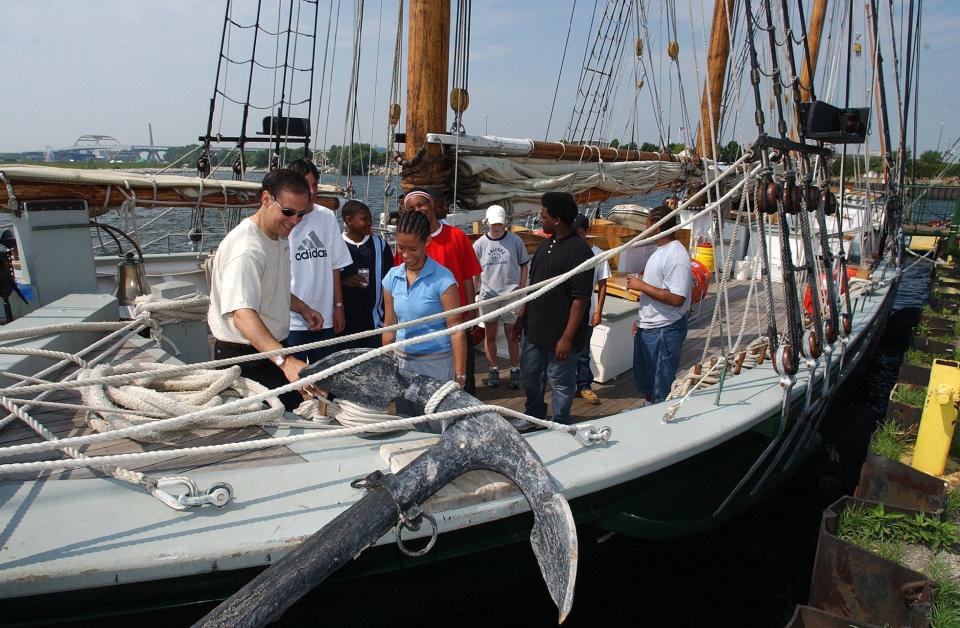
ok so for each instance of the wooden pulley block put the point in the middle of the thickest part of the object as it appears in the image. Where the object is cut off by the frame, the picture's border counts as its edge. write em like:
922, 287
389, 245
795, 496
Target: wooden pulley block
783, 361
829, 200
639, 47
459, 99
673, 49
790, 197
830, 332
394, 113
813, 197
847, 322
768, 194
812, 350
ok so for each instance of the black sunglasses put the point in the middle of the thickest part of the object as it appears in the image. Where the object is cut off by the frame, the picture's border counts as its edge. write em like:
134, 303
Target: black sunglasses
286, 211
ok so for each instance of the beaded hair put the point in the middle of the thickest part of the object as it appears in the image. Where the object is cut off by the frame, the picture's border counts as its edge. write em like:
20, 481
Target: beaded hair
414, 223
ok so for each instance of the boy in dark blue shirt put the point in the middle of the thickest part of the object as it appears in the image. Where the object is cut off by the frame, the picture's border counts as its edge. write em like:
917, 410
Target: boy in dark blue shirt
361, 280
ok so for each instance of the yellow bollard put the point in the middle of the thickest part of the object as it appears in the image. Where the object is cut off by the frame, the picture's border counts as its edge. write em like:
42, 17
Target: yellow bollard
939, 418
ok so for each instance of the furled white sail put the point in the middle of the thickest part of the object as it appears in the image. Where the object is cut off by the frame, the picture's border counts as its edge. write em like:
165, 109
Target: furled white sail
500, 178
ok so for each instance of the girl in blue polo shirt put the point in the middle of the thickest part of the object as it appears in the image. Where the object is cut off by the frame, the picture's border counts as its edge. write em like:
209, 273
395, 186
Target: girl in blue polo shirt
420, 287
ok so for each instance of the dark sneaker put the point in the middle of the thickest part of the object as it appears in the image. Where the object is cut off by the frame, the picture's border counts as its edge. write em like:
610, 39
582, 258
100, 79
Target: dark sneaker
493, 379
514, 378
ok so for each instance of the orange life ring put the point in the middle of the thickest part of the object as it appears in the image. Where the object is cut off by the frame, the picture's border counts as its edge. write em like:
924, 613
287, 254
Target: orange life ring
701, 281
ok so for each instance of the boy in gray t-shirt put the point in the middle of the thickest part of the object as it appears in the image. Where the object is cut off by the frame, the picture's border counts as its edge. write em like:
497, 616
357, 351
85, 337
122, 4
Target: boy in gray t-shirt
504, 260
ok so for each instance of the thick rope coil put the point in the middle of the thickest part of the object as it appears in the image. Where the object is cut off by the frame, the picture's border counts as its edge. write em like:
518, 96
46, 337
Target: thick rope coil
175, 396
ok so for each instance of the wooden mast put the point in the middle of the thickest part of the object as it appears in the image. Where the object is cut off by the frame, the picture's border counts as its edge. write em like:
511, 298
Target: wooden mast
428, 51
817, 14
716, 75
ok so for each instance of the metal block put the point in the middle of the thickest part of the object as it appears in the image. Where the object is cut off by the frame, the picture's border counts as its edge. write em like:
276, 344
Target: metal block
894, 483
855, 583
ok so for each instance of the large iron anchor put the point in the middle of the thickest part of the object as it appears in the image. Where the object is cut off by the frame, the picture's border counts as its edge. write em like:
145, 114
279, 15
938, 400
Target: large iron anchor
482, 441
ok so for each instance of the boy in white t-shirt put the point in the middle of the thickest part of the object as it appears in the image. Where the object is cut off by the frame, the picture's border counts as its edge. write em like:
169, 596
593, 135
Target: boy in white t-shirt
504, 260
317, 253
581, 225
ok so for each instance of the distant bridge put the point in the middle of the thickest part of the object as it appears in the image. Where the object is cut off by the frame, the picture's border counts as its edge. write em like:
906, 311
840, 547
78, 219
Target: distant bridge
92, 147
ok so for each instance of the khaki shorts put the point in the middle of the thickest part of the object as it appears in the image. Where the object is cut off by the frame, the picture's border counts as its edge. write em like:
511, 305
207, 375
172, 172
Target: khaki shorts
507, 318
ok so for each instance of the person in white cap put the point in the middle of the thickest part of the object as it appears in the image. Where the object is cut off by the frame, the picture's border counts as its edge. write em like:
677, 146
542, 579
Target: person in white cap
504, 260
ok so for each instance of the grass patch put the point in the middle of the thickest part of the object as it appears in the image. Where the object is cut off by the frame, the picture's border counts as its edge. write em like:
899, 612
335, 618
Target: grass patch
919, 357
910, 395
890, 441
923, 329
876, 530
946, 603
952, 509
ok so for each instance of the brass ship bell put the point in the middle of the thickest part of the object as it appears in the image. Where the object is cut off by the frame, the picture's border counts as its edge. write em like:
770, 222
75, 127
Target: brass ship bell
131, 280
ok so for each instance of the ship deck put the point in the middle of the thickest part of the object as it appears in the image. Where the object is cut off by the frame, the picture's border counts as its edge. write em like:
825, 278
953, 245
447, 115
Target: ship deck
616, 396
619, 395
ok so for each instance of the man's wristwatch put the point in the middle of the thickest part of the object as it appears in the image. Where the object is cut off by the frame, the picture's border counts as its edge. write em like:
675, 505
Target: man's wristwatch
336, 305
279, 360
462, 377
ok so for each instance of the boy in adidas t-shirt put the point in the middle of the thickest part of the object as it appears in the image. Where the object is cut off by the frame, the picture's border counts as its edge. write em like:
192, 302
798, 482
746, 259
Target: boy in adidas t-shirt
362, 289
317, 253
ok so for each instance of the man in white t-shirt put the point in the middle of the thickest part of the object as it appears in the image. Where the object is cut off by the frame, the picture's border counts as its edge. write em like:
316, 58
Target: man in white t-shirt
661, 325
250, 299
317, 253
581, 225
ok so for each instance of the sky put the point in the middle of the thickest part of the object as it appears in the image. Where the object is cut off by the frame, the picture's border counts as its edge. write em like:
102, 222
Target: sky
73, 67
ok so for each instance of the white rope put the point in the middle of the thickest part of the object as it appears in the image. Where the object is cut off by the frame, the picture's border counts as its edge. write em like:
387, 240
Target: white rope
202, 413
586, 433
176, 396
44, 353
124, 332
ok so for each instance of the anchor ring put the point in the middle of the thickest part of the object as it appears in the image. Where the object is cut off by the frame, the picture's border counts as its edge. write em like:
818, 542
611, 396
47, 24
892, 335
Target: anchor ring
414, 524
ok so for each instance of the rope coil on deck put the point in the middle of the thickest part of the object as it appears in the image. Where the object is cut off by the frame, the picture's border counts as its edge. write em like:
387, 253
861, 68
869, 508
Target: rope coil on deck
175, 396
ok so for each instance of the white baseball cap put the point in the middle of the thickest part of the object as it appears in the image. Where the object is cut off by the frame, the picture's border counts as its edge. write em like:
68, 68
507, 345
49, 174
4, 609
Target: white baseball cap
496, 215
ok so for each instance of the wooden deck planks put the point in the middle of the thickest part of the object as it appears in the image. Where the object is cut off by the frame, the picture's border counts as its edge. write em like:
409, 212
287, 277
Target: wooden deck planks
620, 395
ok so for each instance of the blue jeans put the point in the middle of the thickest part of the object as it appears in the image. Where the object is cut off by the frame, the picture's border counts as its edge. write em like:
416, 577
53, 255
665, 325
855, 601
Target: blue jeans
537, 367
656, 357
303, 336
584, 374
